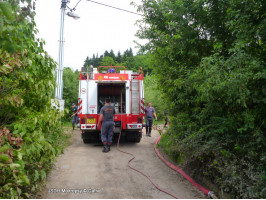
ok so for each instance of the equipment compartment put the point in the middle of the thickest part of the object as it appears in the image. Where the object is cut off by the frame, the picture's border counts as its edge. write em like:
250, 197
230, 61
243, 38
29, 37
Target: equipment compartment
112, 91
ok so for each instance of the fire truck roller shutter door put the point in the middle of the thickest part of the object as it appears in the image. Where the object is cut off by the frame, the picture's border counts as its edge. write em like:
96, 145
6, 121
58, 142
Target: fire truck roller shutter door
92, 97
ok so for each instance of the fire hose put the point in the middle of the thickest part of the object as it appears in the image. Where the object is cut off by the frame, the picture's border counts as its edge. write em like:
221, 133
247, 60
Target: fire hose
205, 191
128, 164
133, 157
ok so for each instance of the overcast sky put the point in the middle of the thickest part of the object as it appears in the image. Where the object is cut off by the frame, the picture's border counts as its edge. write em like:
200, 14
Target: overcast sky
99, 28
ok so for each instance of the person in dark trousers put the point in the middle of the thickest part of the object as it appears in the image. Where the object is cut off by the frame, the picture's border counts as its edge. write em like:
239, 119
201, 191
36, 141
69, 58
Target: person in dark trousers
107, 113
75, 115
149, 112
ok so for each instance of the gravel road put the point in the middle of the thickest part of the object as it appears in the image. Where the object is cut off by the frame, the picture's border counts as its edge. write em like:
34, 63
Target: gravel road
83, 171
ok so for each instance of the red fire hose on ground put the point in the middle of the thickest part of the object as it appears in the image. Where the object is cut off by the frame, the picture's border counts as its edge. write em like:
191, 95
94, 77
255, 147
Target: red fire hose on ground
128, 164
133, 157
207, 192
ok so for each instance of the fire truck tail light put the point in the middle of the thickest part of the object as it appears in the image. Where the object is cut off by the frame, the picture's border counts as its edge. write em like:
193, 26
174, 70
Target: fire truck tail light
83, 120
139, 119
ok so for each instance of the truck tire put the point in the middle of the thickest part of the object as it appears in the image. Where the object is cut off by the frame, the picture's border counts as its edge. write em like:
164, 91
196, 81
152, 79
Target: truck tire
137, 139
86, 141
91, 137
133, 136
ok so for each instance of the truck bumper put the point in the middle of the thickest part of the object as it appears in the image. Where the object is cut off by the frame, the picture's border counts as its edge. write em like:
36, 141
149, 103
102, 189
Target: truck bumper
134, 126
88, 126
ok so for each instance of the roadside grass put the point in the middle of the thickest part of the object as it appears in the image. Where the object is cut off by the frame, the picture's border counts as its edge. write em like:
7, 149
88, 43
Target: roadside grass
67, 136
67, 124
166, 145
155, 123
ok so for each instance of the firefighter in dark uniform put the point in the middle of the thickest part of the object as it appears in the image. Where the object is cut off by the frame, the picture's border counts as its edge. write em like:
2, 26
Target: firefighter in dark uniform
107, 113
75, 115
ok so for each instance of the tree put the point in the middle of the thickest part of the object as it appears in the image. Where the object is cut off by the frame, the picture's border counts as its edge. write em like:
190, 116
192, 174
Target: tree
155, 96
210, 59
107, 61
118, 57
112, 54
106, 53
126, 59
71, 88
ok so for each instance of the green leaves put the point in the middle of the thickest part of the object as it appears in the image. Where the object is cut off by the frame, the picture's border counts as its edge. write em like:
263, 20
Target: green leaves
70, 94
210, 64
6, 8
4, 148
43, 140
107, 61
5, 159
14, 166
34, 136
154, 95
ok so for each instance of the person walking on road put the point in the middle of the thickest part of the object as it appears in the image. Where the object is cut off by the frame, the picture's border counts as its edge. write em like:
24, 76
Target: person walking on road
107, 113
149, 112
75, 115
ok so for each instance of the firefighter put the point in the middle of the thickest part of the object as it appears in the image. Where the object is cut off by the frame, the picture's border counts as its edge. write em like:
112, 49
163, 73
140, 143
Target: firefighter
107, 113
149, 112
75, 115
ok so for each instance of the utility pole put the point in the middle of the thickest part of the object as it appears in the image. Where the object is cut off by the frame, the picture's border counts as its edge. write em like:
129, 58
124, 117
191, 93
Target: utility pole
59, 77
59, 69
59, 102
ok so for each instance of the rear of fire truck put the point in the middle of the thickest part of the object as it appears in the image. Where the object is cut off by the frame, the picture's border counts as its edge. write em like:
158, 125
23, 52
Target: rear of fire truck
126, 91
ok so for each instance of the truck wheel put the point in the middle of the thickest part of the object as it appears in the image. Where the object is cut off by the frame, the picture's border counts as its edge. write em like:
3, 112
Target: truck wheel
93, 137
137, 140
133, 136
86, 141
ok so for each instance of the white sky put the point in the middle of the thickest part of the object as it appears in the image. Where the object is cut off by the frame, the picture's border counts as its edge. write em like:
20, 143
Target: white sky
99, 28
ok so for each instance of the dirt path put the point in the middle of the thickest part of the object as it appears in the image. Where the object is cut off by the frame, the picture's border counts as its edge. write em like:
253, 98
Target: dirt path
83, 171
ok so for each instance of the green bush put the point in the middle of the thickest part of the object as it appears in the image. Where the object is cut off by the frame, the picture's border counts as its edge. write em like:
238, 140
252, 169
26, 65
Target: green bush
210, 59
30, 150
30, 130
71, 90
154, 95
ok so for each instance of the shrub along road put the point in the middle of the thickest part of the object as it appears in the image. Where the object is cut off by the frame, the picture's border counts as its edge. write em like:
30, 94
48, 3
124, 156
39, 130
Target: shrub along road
83, 171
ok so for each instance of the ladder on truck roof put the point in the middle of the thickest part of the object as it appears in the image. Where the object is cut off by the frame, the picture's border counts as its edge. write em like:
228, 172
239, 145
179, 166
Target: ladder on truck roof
135, 94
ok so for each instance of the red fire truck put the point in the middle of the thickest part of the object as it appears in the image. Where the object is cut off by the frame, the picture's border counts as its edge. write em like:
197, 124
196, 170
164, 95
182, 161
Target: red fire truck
125, 89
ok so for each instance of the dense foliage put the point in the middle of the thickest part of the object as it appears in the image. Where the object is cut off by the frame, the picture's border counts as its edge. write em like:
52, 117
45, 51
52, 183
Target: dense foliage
127, 59
211, 66
70, 90
155, 96
30, 131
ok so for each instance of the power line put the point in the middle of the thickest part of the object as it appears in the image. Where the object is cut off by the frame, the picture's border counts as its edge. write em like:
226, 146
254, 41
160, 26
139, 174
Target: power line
76, 5
115, 8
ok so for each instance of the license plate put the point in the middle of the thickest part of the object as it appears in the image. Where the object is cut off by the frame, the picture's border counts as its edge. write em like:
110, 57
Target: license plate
91, 121
134, 126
